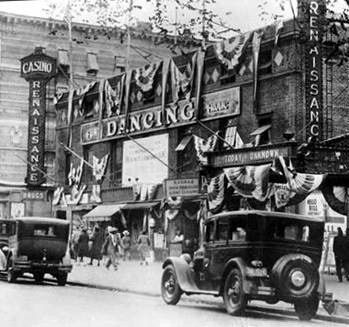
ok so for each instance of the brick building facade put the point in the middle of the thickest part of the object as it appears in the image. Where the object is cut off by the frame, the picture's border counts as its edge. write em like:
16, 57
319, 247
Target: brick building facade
95, 56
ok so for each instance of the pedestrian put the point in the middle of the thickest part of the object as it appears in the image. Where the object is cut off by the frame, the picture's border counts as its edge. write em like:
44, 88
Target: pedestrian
143, 242
346, 255
126, 245
97, 242
111, 247
338, 250
83, 244
74, 243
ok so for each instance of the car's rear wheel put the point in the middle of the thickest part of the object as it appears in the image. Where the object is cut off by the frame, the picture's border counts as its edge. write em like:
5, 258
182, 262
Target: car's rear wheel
306, 309
38, 277
170, 289
233, 294
62, 279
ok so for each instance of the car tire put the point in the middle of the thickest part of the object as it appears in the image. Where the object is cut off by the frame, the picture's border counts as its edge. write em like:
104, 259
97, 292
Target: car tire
234, 296
306, 309
62, 279
11, 276
39, 277
170, 289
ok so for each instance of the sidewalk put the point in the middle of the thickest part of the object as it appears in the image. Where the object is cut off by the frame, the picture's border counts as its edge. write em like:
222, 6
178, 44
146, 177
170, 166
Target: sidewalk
135, 278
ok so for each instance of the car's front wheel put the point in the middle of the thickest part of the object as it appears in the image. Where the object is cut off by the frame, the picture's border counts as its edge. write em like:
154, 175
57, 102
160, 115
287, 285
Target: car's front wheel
170, 289
306, 309
233, 293
62, 279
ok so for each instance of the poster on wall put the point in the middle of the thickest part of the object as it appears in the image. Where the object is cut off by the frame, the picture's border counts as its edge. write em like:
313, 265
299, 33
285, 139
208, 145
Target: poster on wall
17, 209
141, 165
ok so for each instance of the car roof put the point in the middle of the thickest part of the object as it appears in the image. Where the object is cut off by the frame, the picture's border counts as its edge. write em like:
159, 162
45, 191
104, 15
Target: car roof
43, 220
262, 213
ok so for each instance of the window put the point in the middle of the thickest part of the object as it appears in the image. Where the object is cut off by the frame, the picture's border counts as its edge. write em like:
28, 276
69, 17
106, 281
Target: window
63, 61
210, 232
222, 230
119, 64
237, 229
292, 232
262, 135
92, 64
116, 162
265, 62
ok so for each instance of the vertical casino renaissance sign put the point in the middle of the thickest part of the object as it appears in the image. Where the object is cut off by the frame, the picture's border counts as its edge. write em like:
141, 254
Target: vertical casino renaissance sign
314, 16
37, 69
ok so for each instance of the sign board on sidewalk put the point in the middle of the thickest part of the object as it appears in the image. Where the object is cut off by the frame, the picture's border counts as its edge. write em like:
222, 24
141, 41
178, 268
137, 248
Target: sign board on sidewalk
182, 187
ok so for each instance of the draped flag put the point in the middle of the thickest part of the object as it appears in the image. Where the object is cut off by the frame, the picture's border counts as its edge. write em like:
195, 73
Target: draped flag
57, 194
215, 193
250, 181
182, 82
256, 44
113, 96
229, 51
144, 76
74, 176
99, 167
202, 146
81, 92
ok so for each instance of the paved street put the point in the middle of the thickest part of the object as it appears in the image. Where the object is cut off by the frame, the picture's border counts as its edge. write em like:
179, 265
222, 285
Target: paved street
30, 305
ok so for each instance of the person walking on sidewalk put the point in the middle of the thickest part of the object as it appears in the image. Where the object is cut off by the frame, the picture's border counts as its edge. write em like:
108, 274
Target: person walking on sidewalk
126, 245
83, 244
143, 242
97, 242
111, 247
346, 255
338, 250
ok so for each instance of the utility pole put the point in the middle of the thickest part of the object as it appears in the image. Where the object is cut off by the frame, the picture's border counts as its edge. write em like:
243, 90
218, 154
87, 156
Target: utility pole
128, 49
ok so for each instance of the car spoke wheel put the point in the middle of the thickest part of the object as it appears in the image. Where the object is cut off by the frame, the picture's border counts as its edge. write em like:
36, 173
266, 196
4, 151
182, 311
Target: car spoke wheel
233, 295
62, 279
306, 309
170, 290
39, 277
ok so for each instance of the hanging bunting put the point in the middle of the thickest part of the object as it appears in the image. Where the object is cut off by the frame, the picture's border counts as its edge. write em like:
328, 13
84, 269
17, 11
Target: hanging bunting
144, 76
250, 181
182, 83
82, 92
76, 193
99, 167
202, 146
215, 193
113, 96
336, 197
256, 44
229, 51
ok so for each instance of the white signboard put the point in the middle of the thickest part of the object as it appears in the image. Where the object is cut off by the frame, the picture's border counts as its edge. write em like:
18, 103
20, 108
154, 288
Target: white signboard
182, 187
17, 209
141, 164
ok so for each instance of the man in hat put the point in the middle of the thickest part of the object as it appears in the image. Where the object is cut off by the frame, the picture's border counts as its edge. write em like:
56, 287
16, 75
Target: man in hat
111, 247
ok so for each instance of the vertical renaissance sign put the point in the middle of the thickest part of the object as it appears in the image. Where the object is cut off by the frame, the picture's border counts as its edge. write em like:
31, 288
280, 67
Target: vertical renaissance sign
314, 16
37, 68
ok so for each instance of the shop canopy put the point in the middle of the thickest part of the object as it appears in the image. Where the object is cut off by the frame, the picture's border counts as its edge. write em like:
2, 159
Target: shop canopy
103, 212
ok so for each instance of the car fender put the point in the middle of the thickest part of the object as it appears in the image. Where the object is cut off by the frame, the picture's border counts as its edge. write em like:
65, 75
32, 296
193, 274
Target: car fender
184, 273
241, 265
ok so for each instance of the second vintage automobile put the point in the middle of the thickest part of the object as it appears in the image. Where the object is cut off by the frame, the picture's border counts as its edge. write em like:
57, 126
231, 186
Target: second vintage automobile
252, 255
38, 246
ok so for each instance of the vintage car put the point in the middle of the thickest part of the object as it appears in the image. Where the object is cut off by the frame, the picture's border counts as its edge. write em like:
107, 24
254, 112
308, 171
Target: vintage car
37, 246
252, 255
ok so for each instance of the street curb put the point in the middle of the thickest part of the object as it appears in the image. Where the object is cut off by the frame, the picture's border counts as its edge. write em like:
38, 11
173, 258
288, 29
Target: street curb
337, 319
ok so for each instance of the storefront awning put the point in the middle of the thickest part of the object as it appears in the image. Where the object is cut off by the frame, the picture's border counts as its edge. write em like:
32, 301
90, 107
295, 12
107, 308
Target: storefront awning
139, 205
103, 212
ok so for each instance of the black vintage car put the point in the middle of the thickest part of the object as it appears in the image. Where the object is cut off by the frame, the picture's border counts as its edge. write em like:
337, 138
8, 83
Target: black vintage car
38, 245
252, 255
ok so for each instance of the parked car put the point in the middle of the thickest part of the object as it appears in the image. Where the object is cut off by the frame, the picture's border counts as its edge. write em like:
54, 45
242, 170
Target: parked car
38, 246
4, 232
252, 255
